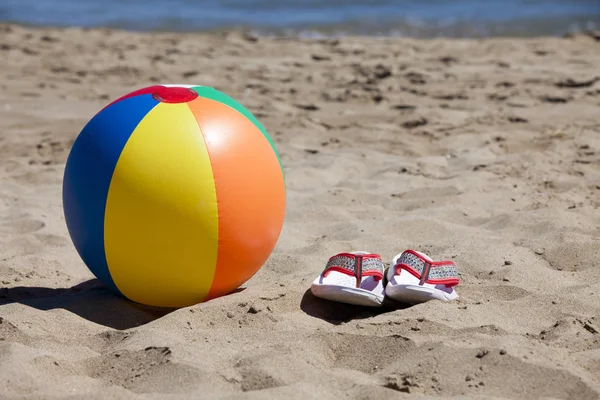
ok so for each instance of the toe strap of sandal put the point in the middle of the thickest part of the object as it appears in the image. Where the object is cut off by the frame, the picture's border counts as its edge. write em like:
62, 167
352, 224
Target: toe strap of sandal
427, 271
357, 265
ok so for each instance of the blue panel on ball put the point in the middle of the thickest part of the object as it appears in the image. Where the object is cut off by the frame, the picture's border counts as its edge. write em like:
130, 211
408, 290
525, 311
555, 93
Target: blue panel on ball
88, 174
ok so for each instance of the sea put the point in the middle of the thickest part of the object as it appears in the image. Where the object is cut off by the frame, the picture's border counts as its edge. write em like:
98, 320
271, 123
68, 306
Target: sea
317, 18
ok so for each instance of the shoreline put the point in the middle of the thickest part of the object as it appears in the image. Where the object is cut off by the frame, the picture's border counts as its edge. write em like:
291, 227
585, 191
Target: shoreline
252, 36
318, 33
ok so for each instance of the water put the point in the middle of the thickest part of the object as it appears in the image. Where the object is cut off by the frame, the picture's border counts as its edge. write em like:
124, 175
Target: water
419, 18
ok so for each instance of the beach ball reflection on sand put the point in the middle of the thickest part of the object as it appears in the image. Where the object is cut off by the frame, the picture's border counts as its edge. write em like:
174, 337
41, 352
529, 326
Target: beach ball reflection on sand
174, 195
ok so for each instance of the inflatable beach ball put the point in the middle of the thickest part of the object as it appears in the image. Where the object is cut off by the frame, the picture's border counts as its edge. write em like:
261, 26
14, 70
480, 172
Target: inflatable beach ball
174, 195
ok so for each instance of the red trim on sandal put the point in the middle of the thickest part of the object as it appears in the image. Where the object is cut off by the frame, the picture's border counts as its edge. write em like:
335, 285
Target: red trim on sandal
427, 269
358, 266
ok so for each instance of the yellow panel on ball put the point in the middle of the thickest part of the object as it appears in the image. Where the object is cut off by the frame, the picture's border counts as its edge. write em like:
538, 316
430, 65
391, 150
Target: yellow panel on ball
162, 207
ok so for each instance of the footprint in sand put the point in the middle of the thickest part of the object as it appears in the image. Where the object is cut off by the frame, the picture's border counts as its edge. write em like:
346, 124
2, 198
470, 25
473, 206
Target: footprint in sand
571, 256
572, 333
467, 369
9, 332
52, 240
21, 226
337, 351
111, 339
372, 351
255, 379
133, 370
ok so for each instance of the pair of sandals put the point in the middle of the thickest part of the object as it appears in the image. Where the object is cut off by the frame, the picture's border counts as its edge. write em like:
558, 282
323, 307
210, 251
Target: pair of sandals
360, 278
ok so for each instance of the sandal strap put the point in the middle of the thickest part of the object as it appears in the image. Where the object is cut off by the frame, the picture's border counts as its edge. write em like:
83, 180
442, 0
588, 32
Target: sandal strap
433, 272
357, 265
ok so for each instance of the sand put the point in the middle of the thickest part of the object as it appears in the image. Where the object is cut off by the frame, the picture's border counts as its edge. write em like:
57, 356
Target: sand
486, 152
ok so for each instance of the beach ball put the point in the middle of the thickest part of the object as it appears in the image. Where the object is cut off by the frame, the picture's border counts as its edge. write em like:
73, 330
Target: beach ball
174, 195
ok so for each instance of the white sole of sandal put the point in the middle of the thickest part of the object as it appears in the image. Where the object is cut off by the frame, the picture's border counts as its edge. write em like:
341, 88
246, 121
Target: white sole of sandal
344, 294
405, 288
340, 287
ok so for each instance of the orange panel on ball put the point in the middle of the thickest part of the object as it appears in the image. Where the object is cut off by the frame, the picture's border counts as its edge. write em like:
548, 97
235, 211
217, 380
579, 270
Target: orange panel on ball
250, 192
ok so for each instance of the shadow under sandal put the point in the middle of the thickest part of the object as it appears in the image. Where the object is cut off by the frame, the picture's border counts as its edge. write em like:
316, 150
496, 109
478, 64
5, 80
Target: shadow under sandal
352, 278
415, 278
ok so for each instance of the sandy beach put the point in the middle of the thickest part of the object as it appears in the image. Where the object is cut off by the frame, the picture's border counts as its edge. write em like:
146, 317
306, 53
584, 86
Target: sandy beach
485, 152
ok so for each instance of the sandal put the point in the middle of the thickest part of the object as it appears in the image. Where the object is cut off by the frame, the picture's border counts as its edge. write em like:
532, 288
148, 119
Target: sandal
416, 278
353, 278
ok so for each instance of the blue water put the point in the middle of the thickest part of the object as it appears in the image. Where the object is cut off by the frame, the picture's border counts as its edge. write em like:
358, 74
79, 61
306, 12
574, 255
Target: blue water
420, 18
